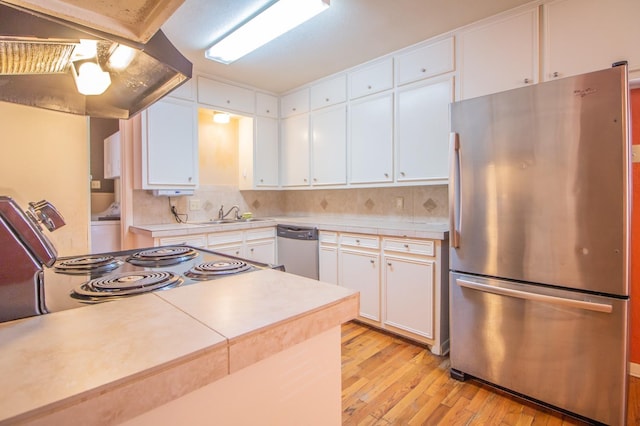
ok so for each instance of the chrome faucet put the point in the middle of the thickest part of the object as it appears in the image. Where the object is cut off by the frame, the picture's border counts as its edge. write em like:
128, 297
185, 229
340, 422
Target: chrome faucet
222, 214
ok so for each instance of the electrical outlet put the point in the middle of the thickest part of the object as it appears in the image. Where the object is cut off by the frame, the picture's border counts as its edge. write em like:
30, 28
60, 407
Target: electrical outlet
399, 202
95, 184
194, 205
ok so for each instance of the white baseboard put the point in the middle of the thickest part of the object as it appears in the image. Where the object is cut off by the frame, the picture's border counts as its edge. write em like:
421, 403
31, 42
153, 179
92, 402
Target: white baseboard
634, 369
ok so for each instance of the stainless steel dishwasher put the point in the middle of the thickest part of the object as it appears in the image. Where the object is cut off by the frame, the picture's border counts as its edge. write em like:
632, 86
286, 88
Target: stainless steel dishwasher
298, 250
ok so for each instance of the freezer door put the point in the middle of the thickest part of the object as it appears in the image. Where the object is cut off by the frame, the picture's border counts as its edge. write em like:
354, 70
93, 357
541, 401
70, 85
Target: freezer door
564, 348
539, 183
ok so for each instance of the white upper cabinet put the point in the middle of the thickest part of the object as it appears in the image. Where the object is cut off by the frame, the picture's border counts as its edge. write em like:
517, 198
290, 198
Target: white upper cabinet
266, 152
169, 146
424, 62
371, 79
589, 35
185, 90
294, 164
499, 55
294, 103
226, 96
266, 105
371, 139
112, 163
422, 130
329, 92
329, 146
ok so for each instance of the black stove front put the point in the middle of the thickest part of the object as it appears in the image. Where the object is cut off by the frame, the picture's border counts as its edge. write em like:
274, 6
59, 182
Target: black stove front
76, 281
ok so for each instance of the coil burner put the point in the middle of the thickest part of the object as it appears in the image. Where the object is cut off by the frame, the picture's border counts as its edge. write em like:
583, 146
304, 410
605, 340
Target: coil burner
126, 284
162, 256
205, 271
88, 264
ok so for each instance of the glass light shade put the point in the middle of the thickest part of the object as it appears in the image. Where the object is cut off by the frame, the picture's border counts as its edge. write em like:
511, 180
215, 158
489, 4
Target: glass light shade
274, 21
90, 79
121, 57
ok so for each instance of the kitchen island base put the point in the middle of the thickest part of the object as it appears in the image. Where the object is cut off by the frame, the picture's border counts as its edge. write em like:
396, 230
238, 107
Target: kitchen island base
300, 385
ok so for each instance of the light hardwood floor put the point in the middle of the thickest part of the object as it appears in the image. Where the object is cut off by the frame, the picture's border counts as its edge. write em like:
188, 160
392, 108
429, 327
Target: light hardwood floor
389, 381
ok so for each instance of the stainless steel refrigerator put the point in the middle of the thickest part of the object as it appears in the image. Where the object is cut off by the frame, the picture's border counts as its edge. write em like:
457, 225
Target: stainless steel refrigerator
540, 215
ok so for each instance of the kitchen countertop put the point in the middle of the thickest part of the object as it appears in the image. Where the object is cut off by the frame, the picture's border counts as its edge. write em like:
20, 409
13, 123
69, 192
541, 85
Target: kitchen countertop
98, 363
438, 230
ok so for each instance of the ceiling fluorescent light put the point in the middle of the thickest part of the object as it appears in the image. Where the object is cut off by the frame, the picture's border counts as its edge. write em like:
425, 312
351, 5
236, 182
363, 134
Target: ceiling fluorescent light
274, 21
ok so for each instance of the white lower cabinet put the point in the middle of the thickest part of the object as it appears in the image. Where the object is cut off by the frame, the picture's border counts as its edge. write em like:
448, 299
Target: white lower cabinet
360, 270
258, 245
328, 257
408, 295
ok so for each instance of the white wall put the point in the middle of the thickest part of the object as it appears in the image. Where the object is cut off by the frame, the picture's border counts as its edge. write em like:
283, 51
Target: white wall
45, 155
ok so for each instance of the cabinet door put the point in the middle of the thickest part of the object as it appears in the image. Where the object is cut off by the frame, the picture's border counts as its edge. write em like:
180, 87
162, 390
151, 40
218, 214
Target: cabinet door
266, 105
423, 131
361, 271
112, 156
169, 145
371, 139
225, 96
424, 62
371, 79
295, 151
409, 295
263, 251
329, 92
328, 264
589, 35
295, 103
329, 146
500, 55
266, 152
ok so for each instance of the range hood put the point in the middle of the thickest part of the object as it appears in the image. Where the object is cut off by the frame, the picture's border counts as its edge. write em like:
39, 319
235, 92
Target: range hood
39, 55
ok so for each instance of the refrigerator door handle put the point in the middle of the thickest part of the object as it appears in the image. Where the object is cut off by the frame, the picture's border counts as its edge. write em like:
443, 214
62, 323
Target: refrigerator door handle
454, 190
560, 301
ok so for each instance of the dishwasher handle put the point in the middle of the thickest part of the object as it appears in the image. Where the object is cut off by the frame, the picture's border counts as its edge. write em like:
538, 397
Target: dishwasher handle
297, 232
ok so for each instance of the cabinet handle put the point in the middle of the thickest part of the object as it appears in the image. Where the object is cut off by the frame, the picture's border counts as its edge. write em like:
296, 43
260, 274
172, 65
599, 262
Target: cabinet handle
389, 264
326, 99
268, 111
237, 253
386, 175
372, 261
261, 180
305, 179
357, 241
527, 81
190, 178
402, 174
228, 101
406, 246
423, 70
555, 74
315, 179
293, 109
369, 87
251, 249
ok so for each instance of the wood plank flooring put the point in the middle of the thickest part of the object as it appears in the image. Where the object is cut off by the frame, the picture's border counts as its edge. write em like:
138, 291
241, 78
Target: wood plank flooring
387, 380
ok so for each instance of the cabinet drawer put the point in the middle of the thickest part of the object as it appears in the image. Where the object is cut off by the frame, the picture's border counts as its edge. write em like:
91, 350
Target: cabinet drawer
260, 233
266, 105
427, 61
359, 241
409, 246
371, 79
295, 103
329, 92
190, 240
225, 96
217, 238
328, 237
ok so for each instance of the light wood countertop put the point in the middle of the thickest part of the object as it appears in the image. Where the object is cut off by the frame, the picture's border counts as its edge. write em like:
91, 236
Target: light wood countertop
438, 229
108, 362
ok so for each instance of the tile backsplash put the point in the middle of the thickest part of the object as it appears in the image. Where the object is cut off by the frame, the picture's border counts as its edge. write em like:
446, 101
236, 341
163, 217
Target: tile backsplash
413, 203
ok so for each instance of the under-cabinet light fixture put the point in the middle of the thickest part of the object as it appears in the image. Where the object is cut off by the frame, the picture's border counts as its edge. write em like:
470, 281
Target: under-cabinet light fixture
275, 20
221, 117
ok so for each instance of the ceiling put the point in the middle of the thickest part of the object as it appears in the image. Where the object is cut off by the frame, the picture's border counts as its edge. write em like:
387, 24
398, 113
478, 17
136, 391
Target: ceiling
349, 33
